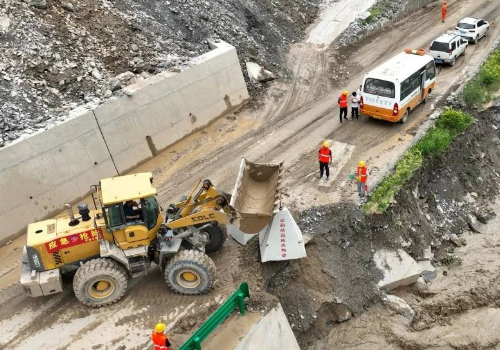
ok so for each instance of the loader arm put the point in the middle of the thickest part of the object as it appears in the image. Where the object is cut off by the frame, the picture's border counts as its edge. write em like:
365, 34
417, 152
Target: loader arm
207, 205
201, 217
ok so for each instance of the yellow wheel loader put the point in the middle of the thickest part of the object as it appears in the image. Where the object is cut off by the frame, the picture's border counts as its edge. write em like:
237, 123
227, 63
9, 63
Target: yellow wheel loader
122, 236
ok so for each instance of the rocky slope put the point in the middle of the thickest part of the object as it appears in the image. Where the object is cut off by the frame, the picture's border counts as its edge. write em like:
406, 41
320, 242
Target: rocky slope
57, 54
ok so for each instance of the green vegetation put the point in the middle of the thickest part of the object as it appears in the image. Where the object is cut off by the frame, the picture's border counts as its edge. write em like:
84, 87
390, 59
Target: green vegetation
376, 10
450, 259
437, 139
486, 83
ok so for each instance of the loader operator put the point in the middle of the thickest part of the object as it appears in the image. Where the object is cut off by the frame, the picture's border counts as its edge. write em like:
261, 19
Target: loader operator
132, 214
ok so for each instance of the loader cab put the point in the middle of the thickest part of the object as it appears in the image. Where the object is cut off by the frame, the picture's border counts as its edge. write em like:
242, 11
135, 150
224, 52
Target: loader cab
113, 195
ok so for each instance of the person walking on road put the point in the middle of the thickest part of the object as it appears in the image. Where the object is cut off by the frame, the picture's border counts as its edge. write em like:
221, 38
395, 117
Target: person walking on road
354, 106
160, 340
343, 105
443, 11
325, 160
362, 176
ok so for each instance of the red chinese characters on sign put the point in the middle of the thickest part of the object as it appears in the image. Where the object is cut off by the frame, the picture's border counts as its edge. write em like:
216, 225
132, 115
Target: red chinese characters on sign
76, 239
283, 237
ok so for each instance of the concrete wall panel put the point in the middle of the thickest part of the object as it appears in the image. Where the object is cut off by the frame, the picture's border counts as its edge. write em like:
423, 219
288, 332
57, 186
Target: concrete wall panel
39, 174
171, 106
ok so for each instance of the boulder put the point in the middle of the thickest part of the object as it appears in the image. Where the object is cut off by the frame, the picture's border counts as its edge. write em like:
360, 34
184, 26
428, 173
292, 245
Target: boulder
68, 6
258, 73
399, 306
4, 24
39, 4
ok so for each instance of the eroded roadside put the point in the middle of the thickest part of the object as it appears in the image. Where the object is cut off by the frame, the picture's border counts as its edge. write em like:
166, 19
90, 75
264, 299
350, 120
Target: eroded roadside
451, 206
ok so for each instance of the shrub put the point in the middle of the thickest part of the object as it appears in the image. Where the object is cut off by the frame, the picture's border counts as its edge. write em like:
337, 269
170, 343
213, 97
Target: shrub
383, 195
478, 91
435, 141
474, 94
450, 259
454, 121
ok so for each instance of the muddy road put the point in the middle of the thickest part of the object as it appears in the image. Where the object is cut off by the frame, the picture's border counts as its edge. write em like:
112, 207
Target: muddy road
288, 125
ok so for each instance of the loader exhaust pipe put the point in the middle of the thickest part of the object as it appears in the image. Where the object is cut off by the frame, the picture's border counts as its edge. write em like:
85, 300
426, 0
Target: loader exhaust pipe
73, 220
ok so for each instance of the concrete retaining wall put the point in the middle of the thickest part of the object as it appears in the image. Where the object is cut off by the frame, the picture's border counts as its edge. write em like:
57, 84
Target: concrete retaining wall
169, 106
39, 174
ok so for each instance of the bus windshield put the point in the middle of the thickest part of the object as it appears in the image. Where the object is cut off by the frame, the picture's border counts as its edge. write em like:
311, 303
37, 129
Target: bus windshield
379, 87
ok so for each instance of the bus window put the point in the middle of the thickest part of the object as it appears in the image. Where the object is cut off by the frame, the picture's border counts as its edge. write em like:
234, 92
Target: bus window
410, 85
379, 87
431, 70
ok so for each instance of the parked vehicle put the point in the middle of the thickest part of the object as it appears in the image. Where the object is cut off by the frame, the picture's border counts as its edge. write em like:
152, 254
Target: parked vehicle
447, 47
392, 90
472, 29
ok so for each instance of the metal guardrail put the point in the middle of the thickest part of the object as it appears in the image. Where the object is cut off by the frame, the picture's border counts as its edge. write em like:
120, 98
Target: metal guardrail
237, 300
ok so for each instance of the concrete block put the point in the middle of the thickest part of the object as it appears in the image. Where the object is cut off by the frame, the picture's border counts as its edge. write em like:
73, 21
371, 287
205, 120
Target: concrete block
398, 267
272, 332
428, 271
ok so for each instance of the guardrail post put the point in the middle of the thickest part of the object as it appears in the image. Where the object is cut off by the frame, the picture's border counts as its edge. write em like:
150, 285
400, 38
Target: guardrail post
241, 302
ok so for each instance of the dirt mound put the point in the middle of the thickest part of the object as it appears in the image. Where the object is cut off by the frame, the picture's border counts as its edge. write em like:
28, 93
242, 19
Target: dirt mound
60, 54
444, 198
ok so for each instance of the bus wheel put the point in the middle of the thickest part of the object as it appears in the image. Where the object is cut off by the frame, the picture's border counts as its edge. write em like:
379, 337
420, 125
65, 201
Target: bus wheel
405, 117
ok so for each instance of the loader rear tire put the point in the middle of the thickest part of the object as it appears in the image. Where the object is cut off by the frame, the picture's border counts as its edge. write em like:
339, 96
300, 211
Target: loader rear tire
190, 272
216, 235
100, 282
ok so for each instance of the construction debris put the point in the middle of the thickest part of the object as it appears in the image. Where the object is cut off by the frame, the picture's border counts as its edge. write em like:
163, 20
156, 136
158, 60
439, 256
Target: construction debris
398, 267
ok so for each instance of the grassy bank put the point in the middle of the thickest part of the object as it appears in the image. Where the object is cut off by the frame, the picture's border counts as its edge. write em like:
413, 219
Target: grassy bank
438, 138
485, 84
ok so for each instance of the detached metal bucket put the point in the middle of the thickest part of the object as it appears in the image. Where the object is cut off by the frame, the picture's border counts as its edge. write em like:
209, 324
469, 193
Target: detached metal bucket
256, 195
256, 198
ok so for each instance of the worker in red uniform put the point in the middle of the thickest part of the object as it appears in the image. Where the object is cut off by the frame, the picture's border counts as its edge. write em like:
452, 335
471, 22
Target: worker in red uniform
325, 160
343, 105
160, 340
362, 176
443, 11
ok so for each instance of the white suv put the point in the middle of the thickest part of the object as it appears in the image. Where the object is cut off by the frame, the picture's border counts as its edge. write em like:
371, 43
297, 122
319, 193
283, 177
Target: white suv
447, 47
472, 28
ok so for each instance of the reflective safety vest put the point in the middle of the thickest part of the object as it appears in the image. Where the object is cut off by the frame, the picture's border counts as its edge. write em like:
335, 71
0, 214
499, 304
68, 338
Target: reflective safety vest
324, 155
160, 341
361, 174
343, 101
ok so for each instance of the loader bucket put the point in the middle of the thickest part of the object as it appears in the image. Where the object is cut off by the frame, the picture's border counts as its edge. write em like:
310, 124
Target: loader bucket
256, 200
256, 195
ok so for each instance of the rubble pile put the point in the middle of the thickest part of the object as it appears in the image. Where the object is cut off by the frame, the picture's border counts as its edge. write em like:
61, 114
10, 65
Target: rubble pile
59, 54
386, 11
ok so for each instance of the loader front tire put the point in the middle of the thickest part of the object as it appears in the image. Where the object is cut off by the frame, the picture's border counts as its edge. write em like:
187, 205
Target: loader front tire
190, 272
100, 282
216, 237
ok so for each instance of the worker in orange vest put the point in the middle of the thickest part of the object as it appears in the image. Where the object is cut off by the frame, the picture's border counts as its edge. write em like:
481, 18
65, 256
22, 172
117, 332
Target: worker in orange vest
343, 105
443, 11
362, 176
160, 340
325, 159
